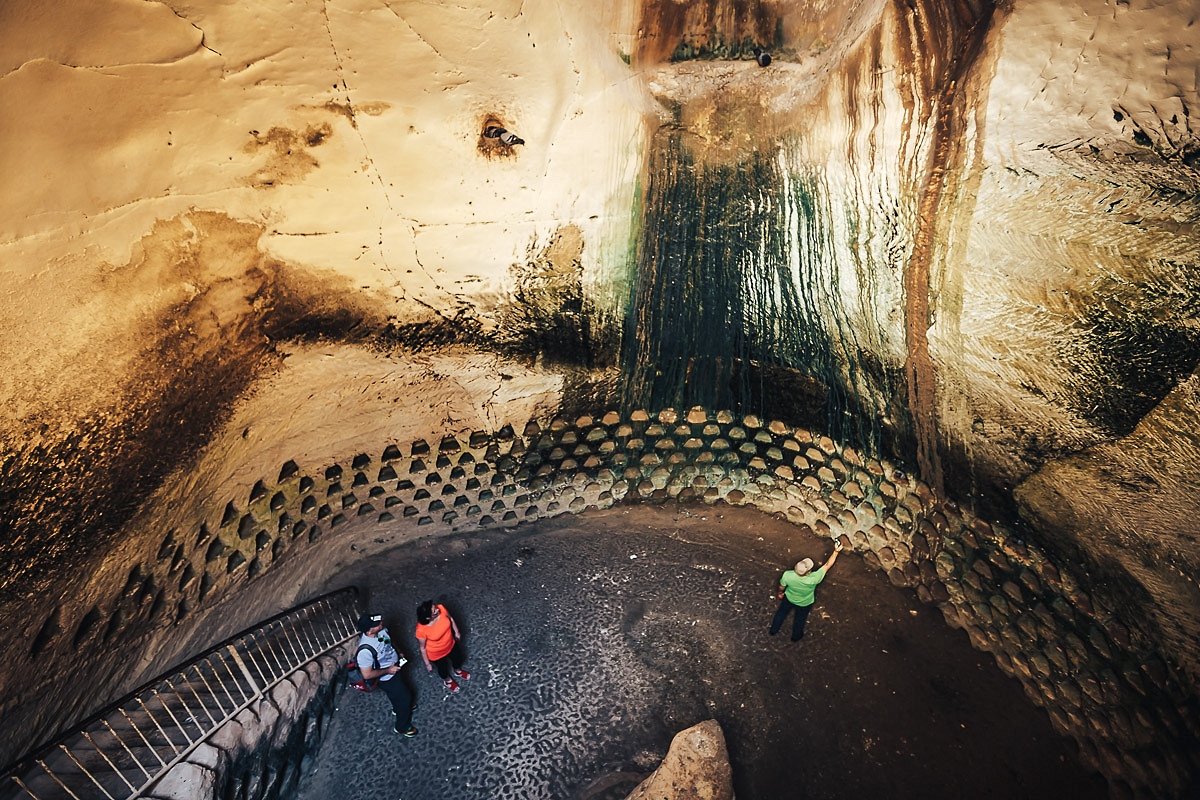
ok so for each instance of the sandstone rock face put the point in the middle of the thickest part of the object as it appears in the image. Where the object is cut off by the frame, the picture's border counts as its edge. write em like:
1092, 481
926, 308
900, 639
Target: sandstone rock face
244, 246
696, 767
1080, 651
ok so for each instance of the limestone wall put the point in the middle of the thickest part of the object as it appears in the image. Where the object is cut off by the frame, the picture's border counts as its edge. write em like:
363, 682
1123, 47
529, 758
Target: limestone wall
261, 753
1080, 651
220, 203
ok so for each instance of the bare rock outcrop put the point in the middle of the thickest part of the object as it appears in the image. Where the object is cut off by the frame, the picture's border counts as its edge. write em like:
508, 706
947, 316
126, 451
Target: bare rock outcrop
696, 768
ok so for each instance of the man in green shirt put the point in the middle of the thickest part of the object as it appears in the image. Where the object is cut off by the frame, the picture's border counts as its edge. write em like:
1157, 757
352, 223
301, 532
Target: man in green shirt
797, 590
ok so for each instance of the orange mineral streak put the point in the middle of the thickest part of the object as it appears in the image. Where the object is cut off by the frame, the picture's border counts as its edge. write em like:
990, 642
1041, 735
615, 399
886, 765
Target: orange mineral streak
941, 48
665, 24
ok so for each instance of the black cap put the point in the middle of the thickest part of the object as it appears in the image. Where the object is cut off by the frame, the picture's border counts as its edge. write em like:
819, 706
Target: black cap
368, 621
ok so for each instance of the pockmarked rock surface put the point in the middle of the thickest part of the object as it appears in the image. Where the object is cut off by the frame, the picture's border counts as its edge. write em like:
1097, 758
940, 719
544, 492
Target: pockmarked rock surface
593, 640
696, 766
242, 240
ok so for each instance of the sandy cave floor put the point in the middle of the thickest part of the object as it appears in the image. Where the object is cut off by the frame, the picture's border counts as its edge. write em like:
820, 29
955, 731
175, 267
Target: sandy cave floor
593, 639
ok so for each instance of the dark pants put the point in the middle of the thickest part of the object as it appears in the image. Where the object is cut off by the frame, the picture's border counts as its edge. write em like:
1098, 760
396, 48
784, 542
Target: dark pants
454, 658
401, 699
785, 607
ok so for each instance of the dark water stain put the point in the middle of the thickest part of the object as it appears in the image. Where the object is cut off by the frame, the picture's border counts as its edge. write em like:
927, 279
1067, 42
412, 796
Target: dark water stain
68, 490
940, 49
719, 29
1135, 341
549, 316
546, 311
80, 491
1123, 358
438, 332
720, 317
286, 152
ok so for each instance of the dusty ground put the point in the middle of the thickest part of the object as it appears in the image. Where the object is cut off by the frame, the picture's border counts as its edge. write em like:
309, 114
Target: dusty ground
593, 639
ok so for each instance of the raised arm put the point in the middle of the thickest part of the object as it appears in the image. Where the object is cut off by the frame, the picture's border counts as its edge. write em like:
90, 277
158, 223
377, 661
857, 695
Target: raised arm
837, 548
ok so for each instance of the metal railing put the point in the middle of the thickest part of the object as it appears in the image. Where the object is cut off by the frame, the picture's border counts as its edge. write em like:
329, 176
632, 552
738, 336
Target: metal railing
122, 751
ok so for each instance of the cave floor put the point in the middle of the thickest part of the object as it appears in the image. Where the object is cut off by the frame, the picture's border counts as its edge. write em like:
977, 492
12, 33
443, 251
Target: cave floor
593, 639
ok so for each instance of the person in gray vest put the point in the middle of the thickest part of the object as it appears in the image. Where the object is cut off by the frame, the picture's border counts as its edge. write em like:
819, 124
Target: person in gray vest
378, 658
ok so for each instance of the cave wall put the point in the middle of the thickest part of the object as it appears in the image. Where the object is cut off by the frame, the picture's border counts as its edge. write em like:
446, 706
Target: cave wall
964, 237
961, 238
1065, 332
222, 186
1078, 650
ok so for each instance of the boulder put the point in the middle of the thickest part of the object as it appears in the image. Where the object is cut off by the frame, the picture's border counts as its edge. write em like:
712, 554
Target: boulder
696, 768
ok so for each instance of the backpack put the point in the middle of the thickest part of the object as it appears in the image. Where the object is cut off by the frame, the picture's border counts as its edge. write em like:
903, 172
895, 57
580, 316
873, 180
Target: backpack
355, 676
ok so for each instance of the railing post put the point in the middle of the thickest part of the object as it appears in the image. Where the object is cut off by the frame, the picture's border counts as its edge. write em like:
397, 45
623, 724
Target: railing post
76, 772
237, 659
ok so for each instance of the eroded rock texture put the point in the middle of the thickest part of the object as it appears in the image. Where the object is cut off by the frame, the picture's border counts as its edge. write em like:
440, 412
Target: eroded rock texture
241, 245
697, 765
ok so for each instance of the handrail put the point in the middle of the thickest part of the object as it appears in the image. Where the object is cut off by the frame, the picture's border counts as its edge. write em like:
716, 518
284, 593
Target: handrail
122, 751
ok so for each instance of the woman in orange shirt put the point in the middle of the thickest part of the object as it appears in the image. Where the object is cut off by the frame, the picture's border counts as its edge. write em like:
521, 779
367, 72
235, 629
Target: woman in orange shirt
438, 639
